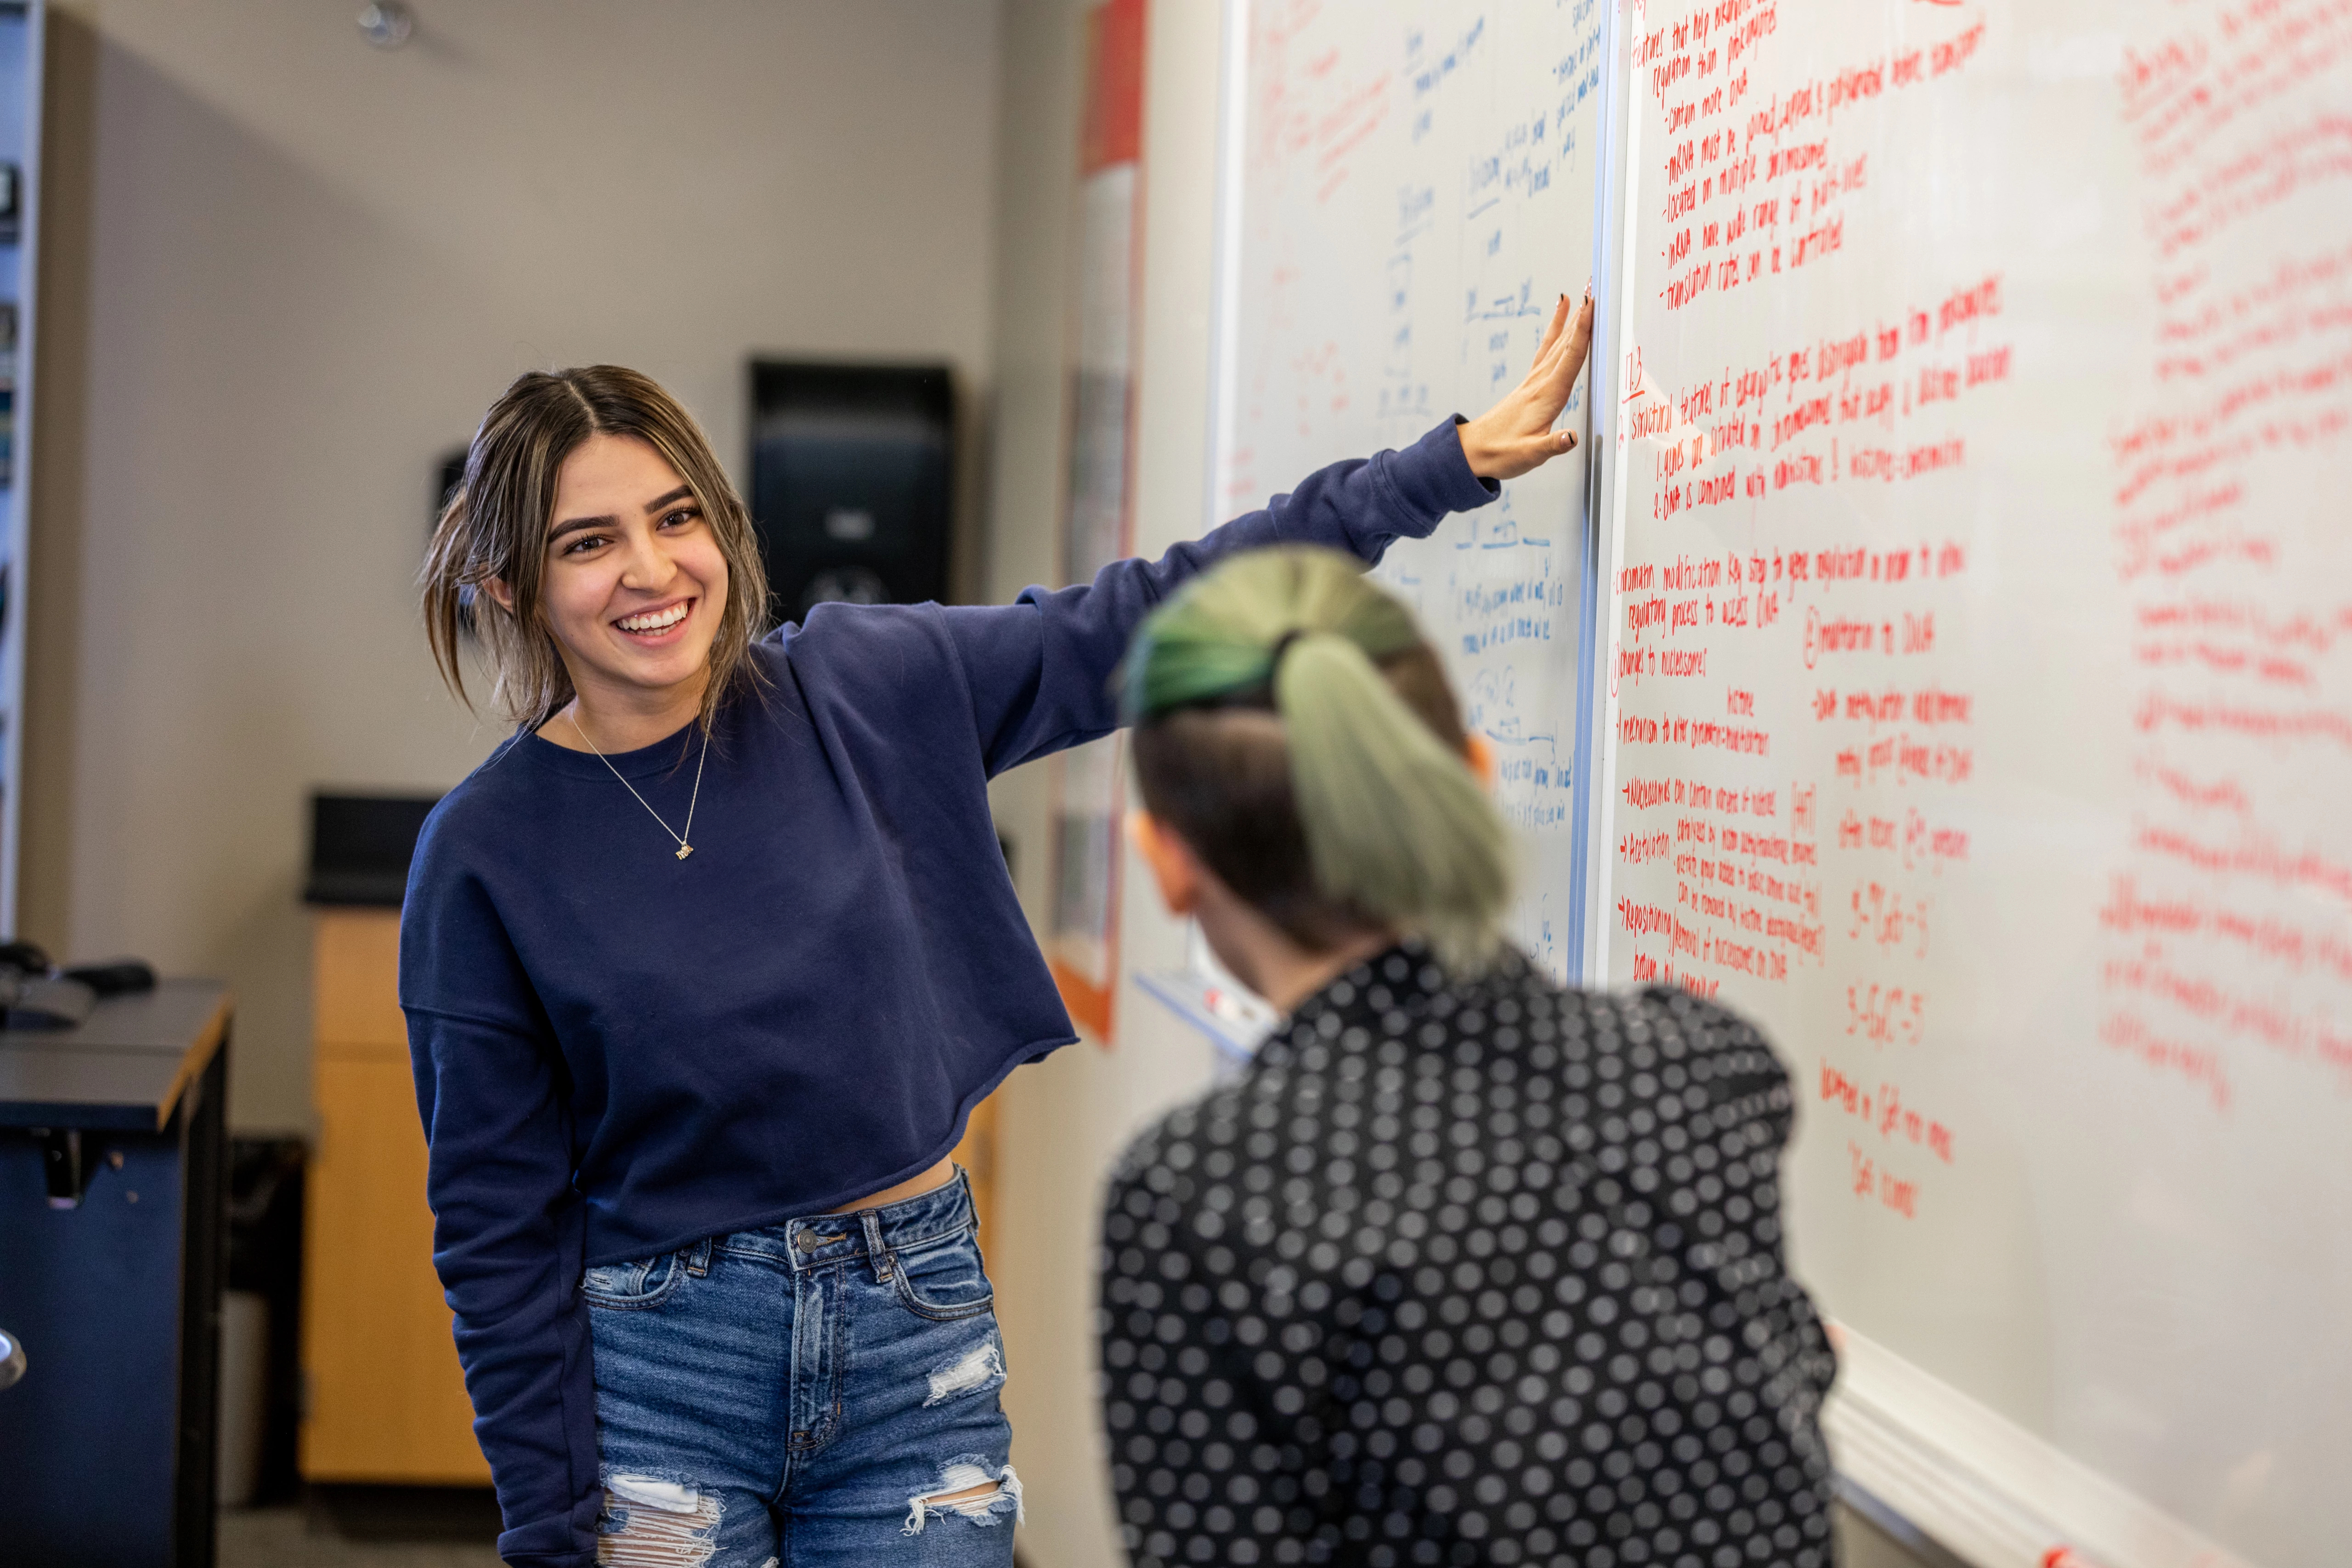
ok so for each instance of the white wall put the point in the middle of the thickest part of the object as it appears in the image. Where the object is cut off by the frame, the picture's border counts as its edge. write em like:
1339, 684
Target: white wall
1066, 1119
284, 272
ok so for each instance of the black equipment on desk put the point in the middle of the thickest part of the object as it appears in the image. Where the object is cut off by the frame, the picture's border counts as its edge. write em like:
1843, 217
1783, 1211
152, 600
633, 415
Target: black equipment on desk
853, 482
33, 995
29, 1002
361, 845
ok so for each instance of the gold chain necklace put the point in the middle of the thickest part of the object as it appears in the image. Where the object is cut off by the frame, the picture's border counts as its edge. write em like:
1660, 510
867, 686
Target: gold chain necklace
684, 849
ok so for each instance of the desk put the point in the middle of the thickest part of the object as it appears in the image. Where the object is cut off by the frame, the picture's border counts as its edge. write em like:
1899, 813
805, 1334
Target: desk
107, 1443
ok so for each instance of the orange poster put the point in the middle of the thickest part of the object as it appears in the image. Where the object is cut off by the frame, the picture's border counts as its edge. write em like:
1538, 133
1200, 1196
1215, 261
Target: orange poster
1098, 522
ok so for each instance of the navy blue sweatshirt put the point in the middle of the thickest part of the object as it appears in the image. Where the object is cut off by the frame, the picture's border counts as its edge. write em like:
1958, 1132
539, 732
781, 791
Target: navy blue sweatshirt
618, 1052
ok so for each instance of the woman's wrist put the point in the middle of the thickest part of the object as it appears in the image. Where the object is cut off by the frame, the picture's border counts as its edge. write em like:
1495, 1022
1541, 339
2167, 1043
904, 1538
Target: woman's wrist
1478, 447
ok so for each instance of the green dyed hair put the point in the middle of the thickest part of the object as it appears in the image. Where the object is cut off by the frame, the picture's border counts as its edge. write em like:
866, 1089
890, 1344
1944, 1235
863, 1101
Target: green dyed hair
1296, 730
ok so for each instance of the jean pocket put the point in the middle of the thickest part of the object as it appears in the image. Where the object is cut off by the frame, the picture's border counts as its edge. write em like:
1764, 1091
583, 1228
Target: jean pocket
944, 1279
636, 1285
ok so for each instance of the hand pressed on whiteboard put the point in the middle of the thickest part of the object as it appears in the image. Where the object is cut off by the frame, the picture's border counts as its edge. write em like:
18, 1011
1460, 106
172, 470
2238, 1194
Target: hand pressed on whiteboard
1515, 434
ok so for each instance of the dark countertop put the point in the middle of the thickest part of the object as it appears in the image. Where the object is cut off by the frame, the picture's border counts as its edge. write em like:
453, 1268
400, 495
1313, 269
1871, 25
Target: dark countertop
124, 1067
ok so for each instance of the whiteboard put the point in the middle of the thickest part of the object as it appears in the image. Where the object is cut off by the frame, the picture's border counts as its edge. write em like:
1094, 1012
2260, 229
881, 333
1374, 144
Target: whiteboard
1978, 713
1410, 187
1964, 688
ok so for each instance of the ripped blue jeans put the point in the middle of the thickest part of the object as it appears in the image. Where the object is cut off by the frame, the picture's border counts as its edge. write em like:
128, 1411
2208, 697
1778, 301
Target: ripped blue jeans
817, 1393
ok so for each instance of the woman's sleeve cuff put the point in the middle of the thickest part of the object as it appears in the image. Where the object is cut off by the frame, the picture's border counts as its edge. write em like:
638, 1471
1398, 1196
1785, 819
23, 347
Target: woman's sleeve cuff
1433, 477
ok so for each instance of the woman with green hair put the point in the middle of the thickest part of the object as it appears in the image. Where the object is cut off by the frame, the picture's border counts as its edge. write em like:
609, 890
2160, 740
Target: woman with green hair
1463, 1267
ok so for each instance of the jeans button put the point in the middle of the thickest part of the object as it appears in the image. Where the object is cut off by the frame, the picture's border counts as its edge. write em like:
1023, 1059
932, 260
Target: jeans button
809, 1241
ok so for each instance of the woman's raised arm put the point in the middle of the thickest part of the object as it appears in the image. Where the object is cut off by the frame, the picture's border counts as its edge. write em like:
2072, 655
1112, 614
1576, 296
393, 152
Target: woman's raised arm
1040, 669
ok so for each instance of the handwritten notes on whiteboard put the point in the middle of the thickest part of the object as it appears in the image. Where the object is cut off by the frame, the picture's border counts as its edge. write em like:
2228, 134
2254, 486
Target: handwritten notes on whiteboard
2232, 554
1416, 194
1974, 632
1978, 661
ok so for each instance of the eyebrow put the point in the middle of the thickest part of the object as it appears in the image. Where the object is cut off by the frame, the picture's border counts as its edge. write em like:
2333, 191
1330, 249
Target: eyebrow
606, 519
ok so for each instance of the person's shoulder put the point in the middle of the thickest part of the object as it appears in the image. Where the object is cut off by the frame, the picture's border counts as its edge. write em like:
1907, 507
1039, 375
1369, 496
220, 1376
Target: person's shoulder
1719, 1045
1512, 992
498, 784
450, 927
1138, 1199
1159, 1161
1706, 1022
863, 652
1515, 980
473, 826
834, 631
1725, 1055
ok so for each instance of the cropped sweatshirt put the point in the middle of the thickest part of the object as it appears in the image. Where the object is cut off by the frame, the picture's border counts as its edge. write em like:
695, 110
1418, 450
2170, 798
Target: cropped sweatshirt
619, 1052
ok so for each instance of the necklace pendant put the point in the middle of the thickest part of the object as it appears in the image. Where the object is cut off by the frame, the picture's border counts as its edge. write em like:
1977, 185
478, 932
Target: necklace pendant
684, 850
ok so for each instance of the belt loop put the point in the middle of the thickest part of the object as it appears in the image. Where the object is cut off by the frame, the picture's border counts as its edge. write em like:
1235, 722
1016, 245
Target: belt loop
884, 1262
697, 1258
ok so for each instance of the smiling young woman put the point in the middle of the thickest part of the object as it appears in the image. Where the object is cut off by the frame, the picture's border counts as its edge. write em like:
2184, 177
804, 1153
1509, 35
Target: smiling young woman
707, 965
589, 499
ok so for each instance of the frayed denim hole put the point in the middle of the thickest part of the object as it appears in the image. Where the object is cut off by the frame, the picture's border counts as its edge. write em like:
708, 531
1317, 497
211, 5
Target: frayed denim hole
962, 1474
654, 1521
612, 1280
978, 1368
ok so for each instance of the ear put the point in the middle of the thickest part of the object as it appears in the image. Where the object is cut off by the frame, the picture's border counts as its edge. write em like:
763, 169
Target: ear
1479, 752
1173, 865
495, 587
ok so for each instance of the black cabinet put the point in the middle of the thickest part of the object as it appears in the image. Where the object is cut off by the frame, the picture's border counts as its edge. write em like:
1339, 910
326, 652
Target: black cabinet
113, 1188
853, 482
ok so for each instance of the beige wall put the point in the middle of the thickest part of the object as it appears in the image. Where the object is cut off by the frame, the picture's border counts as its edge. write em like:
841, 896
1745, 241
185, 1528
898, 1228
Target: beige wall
283, 273
1066, 1118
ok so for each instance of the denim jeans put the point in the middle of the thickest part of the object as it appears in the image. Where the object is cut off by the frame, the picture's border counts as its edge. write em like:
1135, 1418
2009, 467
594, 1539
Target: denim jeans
798, 1395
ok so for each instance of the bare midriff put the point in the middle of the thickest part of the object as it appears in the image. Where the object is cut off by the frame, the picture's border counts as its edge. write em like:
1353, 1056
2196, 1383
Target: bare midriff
938, 1175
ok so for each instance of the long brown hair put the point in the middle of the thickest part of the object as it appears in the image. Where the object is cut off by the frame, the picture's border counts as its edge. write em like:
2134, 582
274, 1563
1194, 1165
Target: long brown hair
495, 526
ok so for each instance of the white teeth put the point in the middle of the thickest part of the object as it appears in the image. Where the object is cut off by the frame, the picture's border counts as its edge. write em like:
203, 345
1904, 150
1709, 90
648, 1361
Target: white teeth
660, 621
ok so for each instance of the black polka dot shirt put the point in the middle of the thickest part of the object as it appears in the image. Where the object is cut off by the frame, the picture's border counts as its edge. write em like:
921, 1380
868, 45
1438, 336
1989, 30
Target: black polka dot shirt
1468, 1273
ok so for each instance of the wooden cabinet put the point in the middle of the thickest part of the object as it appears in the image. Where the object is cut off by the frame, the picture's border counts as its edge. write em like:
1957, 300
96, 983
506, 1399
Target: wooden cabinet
385, 1400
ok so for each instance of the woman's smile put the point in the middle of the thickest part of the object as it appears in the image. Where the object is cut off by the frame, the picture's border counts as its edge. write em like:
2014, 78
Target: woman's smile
657, 626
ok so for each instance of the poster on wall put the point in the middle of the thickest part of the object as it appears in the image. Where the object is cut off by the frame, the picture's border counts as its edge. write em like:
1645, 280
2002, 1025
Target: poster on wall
1098, 522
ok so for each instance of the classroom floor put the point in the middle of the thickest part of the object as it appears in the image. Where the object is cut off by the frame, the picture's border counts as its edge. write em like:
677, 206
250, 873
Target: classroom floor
424, 1530
364, 1528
